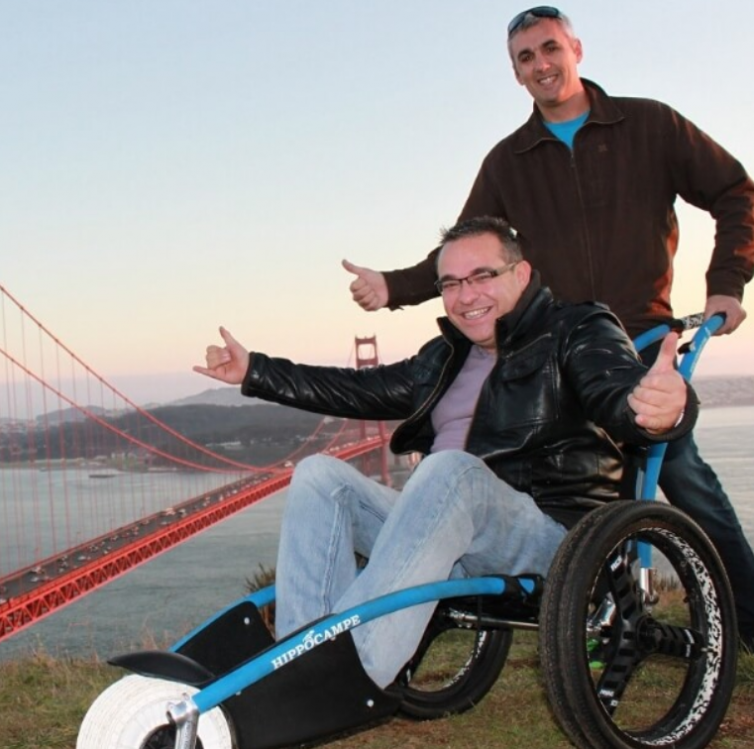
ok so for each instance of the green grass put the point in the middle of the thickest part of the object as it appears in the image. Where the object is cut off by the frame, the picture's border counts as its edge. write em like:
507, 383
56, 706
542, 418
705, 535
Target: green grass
42, 702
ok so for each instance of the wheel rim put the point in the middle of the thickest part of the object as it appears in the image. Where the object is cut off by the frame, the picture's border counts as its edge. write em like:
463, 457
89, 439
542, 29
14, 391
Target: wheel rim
446, 664
164, 738
649, 685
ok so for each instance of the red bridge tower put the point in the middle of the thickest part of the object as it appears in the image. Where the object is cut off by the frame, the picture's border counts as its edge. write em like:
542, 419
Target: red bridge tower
366, 356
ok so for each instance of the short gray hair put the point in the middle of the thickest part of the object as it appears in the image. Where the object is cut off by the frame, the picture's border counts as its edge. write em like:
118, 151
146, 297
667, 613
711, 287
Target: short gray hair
475, 227
529, 19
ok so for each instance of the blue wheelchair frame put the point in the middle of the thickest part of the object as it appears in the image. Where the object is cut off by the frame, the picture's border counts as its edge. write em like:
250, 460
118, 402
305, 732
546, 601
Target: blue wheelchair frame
648, 484
274, 656
649, 477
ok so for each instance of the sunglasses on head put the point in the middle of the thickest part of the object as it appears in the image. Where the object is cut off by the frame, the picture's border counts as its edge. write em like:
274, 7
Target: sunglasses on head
541, 11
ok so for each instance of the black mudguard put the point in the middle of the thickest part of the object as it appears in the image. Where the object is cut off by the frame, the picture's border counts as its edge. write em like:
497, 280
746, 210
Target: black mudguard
231, 639
322, 693
164, 665
239, 634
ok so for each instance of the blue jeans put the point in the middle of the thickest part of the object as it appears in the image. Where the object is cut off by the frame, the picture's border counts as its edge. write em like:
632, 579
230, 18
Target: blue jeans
691, 485
454, 518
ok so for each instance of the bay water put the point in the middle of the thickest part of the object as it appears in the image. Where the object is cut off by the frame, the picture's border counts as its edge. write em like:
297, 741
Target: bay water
154, 604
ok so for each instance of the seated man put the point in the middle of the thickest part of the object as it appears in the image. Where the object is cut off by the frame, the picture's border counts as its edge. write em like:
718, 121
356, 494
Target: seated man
518, 406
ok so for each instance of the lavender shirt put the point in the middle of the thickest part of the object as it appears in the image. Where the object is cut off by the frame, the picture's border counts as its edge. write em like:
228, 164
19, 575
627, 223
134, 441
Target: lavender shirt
451, 417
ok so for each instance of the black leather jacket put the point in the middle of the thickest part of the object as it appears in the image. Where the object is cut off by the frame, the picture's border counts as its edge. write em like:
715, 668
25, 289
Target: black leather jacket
561, 371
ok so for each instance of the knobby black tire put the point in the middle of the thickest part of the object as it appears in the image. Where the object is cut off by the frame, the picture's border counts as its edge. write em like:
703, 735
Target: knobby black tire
470, 678
584, 706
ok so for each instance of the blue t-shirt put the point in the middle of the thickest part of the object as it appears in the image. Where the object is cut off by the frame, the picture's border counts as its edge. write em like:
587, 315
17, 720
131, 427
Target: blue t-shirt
566, 131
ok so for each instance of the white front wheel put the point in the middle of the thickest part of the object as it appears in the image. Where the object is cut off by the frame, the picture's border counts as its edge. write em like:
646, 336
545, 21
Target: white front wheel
132, 714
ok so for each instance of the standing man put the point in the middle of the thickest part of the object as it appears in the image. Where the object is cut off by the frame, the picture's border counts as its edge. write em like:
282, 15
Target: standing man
515, 386
589, 182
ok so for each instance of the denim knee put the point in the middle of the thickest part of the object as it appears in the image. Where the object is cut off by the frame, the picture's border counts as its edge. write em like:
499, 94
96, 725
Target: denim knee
451, 463
315, 465
314, 469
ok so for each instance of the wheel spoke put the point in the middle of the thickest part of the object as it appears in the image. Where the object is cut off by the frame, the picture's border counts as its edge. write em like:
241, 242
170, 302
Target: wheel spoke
672, 640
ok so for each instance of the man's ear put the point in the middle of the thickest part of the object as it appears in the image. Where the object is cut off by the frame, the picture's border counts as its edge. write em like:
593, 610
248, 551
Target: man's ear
523, 273
578, 50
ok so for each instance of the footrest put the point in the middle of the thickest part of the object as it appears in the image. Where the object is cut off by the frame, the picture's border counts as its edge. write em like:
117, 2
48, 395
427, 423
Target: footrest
520, 599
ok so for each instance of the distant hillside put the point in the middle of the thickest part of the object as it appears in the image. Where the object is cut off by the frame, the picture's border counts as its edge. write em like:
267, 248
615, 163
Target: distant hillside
265, 430
220, 396
257, 434
64, 415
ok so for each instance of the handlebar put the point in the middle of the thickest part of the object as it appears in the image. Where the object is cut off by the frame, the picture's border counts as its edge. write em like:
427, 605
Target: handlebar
690, 353
679, 325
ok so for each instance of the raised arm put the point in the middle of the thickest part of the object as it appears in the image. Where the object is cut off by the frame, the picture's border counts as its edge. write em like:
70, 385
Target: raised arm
374, 393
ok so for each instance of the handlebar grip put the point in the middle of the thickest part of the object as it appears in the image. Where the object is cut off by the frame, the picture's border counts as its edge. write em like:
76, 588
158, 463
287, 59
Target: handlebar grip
679, 325
689, 322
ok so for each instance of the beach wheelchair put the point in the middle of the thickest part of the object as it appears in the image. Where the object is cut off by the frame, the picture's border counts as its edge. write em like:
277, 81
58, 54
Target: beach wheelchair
636, 634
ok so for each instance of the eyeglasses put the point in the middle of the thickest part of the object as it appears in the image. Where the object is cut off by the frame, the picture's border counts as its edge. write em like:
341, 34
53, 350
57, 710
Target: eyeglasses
541, 11
478, 278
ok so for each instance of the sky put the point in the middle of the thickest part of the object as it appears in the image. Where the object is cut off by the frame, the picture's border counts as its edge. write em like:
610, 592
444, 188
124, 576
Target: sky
168, 167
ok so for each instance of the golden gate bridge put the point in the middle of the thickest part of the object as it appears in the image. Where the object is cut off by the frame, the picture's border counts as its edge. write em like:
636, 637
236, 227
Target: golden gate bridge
92, 485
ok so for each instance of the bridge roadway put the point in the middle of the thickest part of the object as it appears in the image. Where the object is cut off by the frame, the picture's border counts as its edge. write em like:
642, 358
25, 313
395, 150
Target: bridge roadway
36, 591
30, 578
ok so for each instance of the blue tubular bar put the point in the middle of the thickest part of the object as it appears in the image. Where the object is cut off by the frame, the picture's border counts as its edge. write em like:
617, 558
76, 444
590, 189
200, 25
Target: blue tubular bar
656, 453
324, 629
259, 598
699, 341
689, 322
262, 597
688, 363
651, 336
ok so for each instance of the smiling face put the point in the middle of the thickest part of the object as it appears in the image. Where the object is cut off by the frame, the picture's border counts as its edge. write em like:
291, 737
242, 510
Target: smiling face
475, 307
545, 60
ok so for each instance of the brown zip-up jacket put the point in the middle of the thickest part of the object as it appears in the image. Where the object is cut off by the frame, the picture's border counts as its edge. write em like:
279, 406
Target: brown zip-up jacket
598, 221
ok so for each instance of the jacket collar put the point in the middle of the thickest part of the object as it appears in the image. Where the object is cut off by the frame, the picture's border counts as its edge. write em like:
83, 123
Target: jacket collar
515, 324
602, 111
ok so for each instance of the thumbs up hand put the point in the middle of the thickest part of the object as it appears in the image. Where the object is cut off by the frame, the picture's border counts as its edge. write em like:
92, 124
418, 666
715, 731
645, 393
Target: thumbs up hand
660, 397
368, 289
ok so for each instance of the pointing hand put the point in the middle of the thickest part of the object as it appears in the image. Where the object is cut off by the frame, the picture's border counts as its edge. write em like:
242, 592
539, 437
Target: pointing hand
227, 363
368, 289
